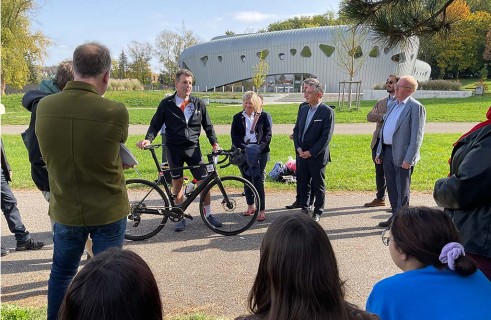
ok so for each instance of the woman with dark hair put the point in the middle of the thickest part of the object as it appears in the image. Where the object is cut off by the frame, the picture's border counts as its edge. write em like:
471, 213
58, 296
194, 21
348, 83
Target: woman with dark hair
439, 281
116, 284
298, 276
466, 192
251, 132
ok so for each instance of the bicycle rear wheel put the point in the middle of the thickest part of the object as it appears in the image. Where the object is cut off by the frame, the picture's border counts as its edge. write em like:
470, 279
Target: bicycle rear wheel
228, 205
144, 220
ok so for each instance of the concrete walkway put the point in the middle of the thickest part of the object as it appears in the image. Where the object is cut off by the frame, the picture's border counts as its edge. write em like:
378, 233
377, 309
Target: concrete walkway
339, 128
198, 270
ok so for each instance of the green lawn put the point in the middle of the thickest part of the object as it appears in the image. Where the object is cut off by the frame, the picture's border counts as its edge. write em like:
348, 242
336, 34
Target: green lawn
14, 312
351, 167
142, 105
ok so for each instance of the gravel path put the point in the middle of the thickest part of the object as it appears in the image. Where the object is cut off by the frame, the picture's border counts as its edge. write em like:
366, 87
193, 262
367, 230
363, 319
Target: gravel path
198, 270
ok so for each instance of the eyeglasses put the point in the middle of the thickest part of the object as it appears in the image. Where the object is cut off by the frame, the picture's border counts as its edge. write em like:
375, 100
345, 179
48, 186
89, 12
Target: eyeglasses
398, 86
386, 237
389, 82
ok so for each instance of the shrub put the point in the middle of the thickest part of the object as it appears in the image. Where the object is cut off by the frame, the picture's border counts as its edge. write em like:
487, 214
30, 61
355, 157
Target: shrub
124, 85
441, 85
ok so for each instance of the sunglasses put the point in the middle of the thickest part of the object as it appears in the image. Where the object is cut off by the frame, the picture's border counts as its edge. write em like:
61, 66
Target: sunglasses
389, 82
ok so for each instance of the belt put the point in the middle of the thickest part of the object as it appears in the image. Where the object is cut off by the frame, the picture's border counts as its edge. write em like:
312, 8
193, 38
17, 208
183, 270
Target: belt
387, 145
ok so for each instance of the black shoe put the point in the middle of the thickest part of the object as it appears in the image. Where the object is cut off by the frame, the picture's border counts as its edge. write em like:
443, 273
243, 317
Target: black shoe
385, 224
29, 245
294, 205
4, 251
317, 217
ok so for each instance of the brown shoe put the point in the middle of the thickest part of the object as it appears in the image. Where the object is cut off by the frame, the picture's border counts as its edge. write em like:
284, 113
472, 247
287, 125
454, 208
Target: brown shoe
375, 203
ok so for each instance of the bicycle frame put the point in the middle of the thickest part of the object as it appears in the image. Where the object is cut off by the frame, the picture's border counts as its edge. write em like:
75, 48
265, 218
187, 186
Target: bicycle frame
212, 175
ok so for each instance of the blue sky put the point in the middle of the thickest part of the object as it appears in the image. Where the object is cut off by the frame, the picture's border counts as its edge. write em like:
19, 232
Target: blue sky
116, 23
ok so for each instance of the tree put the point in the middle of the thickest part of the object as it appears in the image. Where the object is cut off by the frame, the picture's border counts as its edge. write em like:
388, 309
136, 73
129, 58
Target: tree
327, 19
349, 43
486, 56
350, 56
260, 71
462, 49
169, 45
480, 5
123, 65
141, 54
19, 42
33, 70
396, 22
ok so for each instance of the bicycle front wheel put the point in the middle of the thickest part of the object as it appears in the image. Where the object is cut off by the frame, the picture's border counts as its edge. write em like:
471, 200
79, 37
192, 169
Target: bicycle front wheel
145, 220
228, 205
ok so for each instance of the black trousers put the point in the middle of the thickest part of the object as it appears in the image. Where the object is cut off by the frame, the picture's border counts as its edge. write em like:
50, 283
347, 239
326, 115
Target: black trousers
379, 175
311, 172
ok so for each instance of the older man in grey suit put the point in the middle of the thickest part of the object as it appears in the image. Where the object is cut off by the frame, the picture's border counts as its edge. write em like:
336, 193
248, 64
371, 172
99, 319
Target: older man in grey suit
401, 137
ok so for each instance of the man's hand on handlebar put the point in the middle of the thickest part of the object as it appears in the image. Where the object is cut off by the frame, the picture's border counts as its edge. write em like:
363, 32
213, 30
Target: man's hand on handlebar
216, 148
142, 144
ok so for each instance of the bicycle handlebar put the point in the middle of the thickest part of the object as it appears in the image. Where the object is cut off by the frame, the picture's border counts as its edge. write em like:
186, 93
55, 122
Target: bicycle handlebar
152, 146
226, 153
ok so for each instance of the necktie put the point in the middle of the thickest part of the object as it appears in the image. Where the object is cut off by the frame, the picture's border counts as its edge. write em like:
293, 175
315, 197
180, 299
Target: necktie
253, 126
183, 105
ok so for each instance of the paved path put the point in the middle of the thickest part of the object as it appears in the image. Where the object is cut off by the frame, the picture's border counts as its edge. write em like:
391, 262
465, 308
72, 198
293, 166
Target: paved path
198, 270
339, 128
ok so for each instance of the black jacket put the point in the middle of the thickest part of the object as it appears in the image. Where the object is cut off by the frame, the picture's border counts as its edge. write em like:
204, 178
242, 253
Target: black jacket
317, 135
466, 193
39, 173
262, 129
178, 133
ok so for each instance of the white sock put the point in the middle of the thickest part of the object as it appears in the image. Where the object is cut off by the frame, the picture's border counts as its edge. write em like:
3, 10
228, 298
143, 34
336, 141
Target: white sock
207, 210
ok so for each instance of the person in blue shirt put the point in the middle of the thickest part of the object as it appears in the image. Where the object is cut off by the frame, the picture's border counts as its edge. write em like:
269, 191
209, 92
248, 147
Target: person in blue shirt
439, 281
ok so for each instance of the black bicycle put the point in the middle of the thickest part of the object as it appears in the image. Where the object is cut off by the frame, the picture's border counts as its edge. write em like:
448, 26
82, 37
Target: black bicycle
152, 206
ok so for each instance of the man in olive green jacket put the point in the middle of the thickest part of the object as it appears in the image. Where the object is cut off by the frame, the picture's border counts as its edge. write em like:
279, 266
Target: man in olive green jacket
79, 135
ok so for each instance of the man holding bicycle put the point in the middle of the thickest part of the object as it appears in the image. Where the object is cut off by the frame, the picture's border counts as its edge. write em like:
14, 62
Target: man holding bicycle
183, 116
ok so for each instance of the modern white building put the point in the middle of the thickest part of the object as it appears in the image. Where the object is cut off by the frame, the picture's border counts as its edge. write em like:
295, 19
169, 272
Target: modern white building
294, 55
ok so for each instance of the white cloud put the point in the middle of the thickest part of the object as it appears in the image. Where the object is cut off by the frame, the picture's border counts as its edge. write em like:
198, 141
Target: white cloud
252, 16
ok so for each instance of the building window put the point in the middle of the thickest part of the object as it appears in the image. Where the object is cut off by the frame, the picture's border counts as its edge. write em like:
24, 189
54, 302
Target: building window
281, 56
306, 52
293, 52
204, 60
263, 54
242, 58
328, 50
356, 52
374, 53
220, 58
399, 58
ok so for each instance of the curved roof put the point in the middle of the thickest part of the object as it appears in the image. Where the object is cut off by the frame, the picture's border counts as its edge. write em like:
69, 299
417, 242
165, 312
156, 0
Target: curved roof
317, 51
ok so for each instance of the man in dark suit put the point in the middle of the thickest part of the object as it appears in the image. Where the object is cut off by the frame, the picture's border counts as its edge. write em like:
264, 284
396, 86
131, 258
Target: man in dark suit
401, 137
296, 204
311, 136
